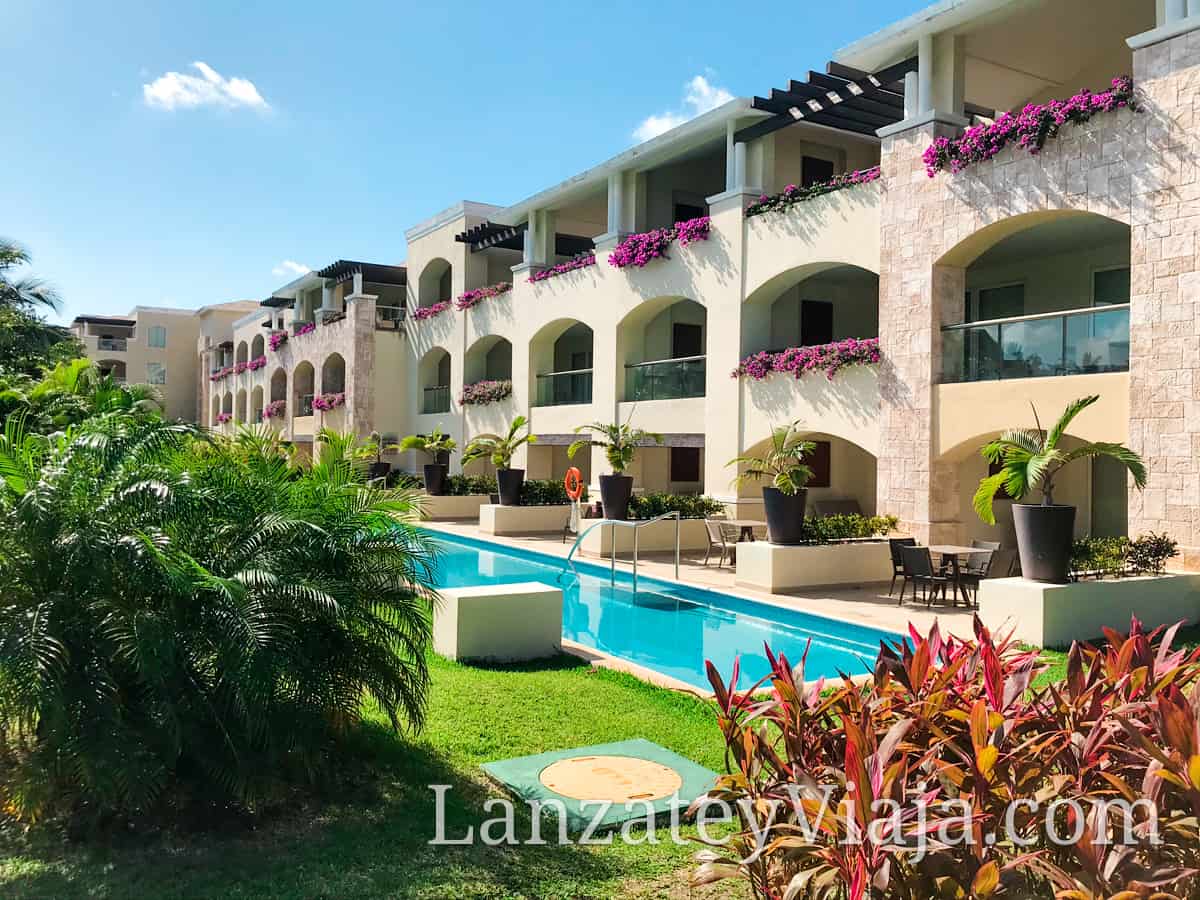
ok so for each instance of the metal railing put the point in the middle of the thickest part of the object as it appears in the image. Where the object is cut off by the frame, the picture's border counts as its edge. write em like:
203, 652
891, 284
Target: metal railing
665, 379
389, 318
613, 524
1068, 342
112, 343
436, 399
564, 388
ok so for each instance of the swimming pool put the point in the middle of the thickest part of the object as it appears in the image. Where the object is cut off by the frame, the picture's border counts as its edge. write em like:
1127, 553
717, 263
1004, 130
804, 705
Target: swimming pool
667, 627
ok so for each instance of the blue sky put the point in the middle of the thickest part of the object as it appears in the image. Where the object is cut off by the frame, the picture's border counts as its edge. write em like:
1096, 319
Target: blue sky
317, 131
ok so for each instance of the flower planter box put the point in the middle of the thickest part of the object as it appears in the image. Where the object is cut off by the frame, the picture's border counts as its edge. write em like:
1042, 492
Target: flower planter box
656, 537
1054, 615
775, 567
444, 507
509, 520
498, 622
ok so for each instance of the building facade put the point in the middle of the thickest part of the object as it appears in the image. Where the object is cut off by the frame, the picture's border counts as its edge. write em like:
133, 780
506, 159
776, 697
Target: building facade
913, 316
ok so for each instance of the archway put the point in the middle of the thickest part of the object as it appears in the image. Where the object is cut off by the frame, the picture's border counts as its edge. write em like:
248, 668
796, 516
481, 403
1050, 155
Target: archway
844, 477
435, 284
333, 374
227, 404
113, 368
279, 385
258, 347
216, 409
560, 363
303, 386
488, 359
242, 410
811, 305
433, 376
256, 404
242, 354
661, 345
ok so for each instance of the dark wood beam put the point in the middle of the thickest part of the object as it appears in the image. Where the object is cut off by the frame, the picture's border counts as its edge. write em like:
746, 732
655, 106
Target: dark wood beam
884, 96
837, 121
762, 128
802, 93
851, 74
782, 102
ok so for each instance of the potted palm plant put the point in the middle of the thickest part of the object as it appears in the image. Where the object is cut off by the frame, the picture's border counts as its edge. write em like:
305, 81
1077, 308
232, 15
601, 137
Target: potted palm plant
783, 464
500, 451
439, 446
1031, 458
379, 468
620, 443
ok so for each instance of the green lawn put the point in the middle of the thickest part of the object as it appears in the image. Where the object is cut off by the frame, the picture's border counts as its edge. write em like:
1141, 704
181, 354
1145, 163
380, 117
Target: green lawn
371, 843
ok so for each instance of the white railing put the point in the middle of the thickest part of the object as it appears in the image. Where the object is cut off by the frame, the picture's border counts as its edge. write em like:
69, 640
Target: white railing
612, 537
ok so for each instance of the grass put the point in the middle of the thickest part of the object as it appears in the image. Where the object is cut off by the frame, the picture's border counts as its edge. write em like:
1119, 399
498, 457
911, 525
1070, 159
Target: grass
372, 841
1056, 671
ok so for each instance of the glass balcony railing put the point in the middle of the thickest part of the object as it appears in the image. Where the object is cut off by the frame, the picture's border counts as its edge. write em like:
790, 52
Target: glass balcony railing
436, 399
665, 379
1077, 342
564, 388
306, 407
112, 344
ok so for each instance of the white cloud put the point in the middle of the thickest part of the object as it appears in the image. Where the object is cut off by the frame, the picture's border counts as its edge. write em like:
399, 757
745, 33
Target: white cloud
290, 267
699, 96
175, 90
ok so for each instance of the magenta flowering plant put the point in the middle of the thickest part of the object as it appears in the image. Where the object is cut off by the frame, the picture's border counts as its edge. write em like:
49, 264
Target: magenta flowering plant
576, 262
239, 368
793, 194
277, 339
421, 313
1030, 128
274, 410
467, 299
221, 373
224, 417
305, 328
801, 360
326, 402
641, 249
257, 363
487, 391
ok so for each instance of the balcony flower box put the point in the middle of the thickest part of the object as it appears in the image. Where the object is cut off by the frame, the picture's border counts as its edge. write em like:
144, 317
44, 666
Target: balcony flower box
276, 340
467, 299
326, 402
224, 417
641, 249
221, 373
483, 392
274, 410
421, 313
240, 367
257, 363
793, 194
801, 360
305, 328
1030, 128
571, 265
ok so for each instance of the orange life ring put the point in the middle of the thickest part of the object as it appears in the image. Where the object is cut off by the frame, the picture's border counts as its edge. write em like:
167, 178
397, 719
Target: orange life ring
573, 482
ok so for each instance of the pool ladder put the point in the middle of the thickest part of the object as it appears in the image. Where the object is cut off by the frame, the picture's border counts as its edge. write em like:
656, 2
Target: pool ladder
613, 525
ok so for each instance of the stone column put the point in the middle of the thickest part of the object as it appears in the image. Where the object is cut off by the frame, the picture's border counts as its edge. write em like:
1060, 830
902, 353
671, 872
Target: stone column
360, 364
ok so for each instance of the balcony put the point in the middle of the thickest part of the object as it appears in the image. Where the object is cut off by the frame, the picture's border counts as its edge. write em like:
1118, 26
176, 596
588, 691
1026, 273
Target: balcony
1077, 342
566, 388
389, 318
306, 405
436, 399
108, 344
665, 379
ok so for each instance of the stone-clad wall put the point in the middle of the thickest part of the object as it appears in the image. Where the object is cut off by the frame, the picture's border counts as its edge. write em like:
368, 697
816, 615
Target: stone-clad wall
1136, 168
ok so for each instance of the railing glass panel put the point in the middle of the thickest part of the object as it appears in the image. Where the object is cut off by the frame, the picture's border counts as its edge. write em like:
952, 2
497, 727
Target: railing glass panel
436, 399
564, 388
665, 379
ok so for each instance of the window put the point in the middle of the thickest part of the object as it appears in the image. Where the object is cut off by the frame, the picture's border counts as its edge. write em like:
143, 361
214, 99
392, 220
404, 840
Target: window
819, 462
687, 211
1110, 286
157, 336
685, 464
814, 170
816, 322
156, 373
686, 340
998, 303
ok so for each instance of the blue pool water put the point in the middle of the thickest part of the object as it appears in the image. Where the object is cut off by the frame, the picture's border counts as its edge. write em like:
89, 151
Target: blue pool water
667, 627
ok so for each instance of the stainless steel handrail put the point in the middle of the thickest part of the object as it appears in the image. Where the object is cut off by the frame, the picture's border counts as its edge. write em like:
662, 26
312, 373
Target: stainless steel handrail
566, 372
659, 362
1035, 317
625, 523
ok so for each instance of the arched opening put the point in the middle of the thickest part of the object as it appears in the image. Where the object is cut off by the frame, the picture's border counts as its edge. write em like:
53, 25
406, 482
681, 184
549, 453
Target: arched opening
843, 479
434, 285
488, 359
114, 368
216, 409
303, 379
333, 374
809, 306
433, 374
227, 404
1043, 294
279, 385
242, 354
661, 345
258, 347
560, 364
242, 411
256, 404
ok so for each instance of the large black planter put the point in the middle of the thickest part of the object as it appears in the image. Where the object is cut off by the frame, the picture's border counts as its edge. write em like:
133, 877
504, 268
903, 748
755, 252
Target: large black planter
379, 470
785, 515
615, 491
509, 482
435, 479
1044, 538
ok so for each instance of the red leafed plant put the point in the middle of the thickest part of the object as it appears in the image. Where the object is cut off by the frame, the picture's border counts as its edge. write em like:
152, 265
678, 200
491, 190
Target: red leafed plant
947, 774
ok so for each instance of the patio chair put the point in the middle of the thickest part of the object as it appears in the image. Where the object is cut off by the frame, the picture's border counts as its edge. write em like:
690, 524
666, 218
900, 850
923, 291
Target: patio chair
894, 545
985, 545
978, 567
918, 568
720, 534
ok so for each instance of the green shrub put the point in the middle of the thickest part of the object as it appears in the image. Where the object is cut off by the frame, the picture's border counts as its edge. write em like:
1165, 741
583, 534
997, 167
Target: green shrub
546, 492
1150, 552
469, 485
690, 506
827, 529
1112, 557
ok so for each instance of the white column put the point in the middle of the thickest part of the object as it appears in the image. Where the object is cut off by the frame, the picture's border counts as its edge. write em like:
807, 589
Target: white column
1176, 10
912, 97
358, 283
925, 72
616, 202
326, 295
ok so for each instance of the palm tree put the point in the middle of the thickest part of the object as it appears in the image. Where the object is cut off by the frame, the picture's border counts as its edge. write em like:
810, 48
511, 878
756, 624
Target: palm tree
1031, 458
620, 442
783, 463
26, 293
499, 450
186, 613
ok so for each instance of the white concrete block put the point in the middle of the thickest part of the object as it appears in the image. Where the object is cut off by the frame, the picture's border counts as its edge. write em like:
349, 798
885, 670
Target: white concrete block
502, 520
1054, 615
498, 622
656, 537
444, 508
774, 567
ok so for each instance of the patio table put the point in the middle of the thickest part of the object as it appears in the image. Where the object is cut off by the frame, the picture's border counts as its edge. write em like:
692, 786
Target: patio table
747, 527
951, 553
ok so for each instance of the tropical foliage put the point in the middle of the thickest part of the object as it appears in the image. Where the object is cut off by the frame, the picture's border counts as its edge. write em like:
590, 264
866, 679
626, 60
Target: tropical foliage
782, 464
437, 443
1031, 458
499, 449
71, 392
847, 527
190, 616
1101, 557
836, 784
619, 440
28, 343
689, 506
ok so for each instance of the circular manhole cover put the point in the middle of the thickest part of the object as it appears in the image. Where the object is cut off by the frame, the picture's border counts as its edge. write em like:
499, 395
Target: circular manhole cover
616, 778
